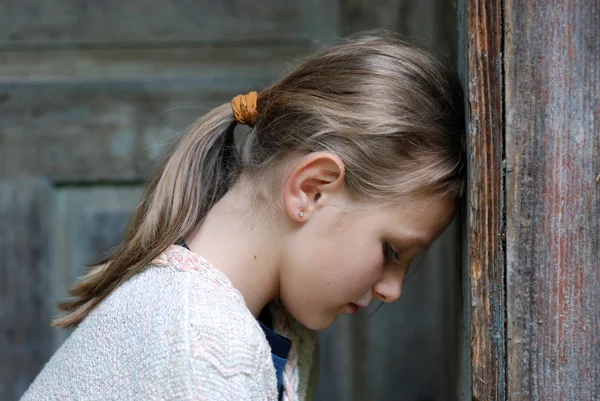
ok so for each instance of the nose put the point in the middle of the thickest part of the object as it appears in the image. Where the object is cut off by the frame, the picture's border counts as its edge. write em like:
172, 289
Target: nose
388, 290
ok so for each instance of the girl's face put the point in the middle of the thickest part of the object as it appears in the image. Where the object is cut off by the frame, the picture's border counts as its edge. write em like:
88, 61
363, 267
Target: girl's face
346, 255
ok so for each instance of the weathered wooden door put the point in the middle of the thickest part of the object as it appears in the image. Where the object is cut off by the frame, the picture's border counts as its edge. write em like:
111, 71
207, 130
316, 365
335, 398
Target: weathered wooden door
531, 71
92, 92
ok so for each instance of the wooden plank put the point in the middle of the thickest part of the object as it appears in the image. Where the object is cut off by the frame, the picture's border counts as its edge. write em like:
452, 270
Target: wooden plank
553, 199
95, 132
92, 221
335, 345
357, 15
208, 63
107, 115
25, 260
431, 23
88, 133
157, 21
483, 24
463, 369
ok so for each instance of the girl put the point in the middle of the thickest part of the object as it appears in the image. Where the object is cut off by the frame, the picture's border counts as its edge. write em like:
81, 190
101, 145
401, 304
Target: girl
236, 254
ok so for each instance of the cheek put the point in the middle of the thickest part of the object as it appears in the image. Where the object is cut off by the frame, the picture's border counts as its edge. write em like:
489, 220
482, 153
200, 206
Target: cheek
371, 269
362, 267
332, 273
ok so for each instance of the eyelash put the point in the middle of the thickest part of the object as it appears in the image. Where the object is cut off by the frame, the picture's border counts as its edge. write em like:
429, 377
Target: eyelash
390, 254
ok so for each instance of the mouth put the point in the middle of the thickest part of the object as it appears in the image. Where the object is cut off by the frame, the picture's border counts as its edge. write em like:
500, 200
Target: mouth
355, 307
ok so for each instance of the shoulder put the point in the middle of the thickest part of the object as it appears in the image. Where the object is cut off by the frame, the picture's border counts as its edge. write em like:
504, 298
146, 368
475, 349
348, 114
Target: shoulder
228, 352
187, 292
167, 332
188, 306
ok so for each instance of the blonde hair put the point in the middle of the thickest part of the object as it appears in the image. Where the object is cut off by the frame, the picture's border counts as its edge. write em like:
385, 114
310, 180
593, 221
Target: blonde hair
390, 110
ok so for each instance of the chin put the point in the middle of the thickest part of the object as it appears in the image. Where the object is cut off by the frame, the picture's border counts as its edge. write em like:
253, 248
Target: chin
313, 318
316, 322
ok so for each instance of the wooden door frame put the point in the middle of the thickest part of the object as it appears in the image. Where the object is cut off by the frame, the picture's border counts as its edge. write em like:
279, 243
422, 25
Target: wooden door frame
531, 78
481, 39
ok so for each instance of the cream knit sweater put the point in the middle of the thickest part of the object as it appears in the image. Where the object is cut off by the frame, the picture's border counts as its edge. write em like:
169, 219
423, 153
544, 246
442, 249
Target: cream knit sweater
176, 331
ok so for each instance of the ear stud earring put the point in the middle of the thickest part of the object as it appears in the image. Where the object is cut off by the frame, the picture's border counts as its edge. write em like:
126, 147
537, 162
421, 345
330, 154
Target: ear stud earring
301, 214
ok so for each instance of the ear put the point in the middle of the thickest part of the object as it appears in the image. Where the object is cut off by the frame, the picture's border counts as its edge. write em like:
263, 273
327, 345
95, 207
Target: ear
312, 182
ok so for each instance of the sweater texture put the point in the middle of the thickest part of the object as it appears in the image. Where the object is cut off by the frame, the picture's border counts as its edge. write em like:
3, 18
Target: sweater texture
178, 330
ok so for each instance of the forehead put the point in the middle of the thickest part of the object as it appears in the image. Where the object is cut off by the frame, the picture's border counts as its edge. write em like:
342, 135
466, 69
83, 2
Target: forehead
421, 219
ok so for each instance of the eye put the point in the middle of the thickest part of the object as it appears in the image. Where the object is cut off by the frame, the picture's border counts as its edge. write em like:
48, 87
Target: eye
390, 254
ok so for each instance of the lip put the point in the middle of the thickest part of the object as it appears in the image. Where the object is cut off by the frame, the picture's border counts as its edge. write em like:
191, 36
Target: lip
355, 307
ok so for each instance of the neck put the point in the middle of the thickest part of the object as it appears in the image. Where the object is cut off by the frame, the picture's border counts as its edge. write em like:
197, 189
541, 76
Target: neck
243, 245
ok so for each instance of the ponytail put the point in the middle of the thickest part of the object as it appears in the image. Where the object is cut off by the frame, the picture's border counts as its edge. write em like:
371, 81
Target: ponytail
200, 170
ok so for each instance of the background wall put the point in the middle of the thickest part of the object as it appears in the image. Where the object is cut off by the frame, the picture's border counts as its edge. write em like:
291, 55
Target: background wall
92, 92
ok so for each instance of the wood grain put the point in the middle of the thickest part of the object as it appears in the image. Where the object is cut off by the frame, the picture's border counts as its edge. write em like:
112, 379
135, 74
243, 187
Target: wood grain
91, 133
25, 257
553, 199
91, 220
204, 63
431, 23
151, 22
485, 198
100, 132
107, 115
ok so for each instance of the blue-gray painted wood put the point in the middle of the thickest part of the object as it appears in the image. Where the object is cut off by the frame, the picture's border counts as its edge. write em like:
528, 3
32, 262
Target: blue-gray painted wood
93, 109
92, 220
26, 212
154, 22
464, 382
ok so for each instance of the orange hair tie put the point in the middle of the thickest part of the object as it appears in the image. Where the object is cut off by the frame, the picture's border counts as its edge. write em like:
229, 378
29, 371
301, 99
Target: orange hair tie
244, 108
